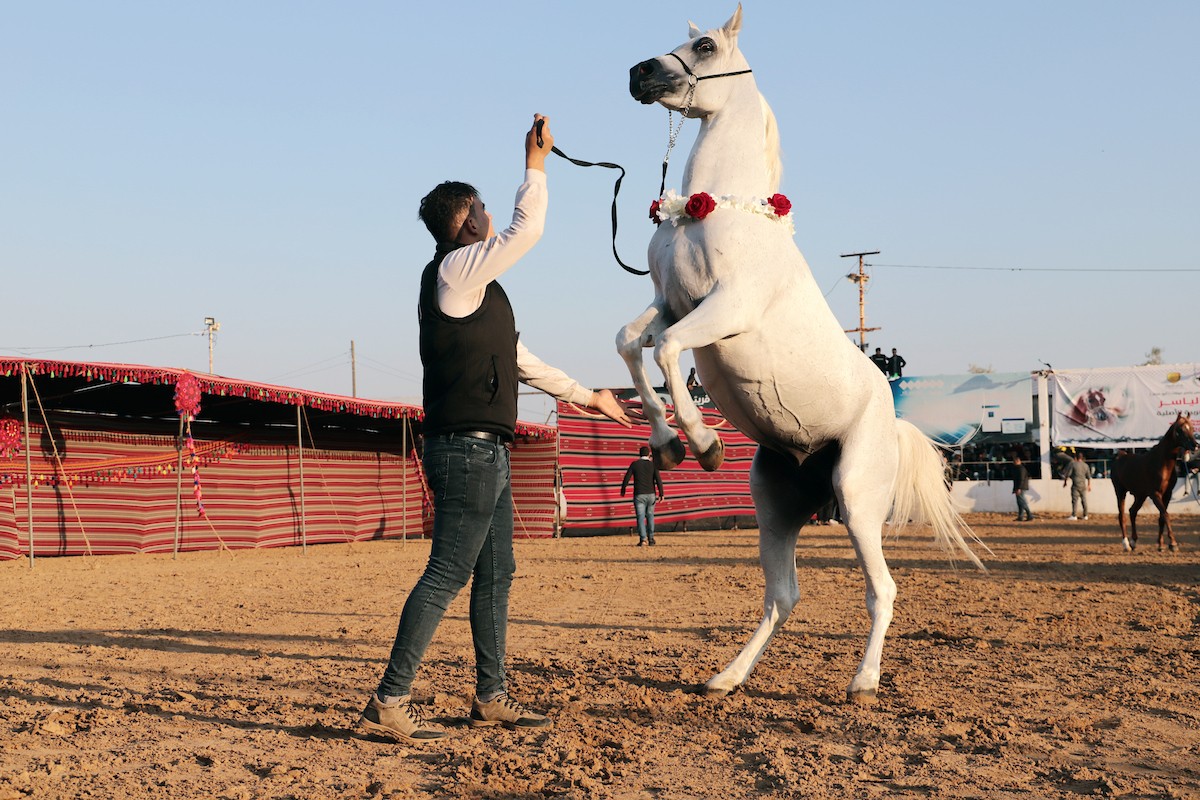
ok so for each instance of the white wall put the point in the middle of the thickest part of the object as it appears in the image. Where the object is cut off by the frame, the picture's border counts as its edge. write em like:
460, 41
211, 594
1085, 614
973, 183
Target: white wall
1051, 497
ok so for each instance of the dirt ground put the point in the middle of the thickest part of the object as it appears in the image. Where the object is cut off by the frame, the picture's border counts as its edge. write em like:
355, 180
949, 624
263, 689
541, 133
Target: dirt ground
1069, 670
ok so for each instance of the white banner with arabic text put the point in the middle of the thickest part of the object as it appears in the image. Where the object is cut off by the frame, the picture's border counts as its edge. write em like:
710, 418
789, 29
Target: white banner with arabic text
1123, 406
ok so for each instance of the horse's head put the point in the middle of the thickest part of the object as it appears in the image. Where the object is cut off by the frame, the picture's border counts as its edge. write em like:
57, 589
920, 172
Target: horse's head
1185, 436
680, 80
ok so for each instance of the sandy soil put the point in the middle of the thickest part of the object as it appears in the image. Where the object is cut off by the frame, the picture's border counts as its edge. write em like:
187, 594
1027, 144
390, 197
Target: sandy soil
1068, 671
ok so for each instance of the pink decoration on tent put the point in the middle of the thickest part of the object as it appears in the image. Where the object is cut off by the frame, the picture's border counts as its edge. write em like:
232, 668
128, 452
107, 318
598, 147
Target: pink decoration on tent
10, 437
187, 395
194, 464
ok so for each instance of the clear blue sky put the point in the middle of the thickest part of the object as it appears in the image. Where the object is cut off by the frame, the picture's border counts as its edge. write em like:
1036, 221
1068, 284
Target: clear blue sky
261, 163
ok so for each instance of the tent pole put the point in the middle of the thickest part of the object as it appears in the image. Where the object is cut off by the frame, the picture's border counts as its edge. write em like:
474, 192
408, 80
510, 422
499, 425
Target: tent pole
300, 435
28, 459
404, 479
178, 488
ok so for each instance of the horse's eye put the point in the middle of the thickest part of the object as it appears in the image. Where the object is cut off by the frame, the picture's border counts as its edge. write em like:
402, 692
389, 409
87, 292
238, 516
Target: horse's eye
706, 46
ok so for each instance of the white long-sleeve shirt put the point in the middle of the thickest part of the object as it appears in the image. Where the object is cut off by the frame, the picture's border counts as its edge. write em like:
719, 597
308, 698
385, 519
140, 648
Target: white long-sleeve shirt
465, 273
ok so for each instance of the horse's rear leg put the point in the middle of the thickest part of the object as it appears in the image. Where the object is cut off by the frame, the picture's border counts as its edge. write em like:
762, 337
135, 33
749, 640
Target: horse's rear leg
866, 534
786, 495
777, 556
1121, 518
863, 481
1133, 512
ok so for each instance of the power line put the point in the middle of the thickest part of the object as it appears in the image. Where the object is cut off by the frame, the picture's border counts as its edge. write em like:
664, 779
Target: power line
40, 350
340, 359
1040, 269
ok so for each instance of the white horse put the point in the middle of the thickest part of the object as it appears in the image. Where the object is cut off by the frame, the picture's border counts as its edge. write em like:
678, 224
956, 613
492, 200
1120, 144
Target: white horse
731, 286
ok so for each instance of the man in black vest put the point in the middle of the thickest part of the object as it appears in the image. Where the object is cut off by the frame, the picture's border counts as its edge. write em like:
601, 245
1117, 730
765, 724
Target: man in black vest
473, 362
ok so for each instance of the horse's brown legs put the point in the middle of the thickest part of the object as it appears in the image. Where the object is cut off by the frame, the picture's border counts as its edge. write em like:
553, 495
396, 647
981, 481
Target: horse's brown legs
1133, 512
1121, 519
1164, 522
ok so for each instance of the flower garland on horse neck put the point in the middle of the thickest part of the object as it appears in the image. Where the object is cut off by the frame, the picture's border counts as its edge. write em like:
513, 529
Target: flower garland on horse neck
673, 207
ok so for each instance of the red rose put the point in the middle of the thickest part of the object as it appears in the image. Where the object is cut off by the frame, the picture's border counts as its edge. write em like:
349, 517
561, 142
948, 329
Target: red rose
654, 212
780, 203
700, 205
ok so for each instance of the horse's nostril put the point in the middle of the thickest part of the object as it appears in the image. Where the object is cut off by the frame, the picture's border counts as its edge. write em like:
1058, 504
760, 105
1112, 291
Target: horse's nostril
645, 68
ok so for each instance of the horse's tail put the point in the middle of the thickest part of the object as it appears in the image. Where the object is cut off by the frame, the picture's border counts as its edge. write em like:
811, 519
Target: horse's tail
921, 494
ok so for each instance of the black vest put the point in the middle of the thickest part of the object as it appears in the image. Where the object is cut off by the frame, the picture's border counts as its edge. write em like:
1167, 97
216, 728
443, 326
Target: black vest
470, 363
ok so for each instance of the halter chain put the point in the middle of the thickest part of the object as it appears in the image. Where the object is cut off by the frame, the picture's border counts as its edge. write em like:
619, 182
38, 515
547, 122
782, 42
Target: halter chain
673, 130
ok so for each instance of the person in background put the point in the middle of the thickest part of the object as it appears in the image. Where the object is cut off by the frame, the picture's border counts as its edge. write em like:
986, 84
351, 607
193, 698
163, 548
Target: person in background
1020, 479
473, 361
896, 365
1080, 475
647, 484
692, 380
827, 512
880, 360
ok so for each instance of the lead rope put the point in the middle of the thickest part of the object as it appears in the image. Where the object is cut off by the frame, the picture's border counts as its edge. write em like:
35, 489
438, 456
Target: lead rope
672, 136
616, 191
673, 131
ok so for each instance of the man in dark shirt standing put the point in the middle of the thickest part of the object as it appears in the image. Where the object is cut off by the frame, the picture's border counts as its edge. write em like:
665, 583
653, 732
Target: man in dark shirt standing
880, 360
896, 365
1020, 479
646, 481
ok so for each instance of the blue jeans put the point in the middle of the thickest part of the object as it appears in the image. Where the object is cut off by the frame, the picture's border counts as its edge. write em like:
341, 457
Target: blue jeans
1022, 506
472, 540
643, 506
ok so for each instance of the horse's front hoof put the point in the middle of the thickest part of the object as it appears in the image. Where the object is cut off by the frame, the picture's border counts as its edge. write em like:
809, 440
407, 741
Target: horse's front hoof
714, 689
1126, 546
712, 458
669, 456
862, 697
1173, 548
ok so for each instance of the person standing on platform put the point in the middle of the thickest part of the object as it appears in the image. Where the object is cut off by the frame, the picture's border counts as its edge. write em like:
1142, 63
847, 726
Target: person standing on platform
880, 360
896, 365
647, 485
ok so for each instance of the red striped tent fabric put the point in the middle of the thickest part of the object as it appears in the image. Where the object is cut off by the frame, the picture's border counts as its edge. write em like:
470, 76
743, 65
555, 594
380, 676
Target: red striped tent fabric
594, 453
106, 478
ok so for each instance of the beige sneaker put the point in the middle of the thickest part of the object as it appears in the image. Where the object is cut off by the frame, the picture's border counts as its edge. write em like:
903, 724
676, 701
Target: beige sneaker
402, 722
505, 711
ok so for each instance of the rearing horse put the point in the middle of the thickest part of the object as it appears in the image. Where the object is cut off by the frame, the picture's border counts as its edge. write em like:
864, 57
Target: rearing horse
1151, 474
731, 285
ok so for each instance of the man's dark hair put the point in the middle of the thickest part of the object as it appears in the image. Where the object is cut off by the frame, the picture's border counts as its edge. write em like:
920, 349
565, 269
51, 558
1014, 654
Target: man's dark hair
443, 207
643, 451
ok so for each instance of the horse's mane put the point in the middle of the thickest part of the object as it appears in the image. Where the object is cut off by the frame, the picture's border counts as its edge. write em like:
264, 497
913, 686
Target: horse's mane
771, 147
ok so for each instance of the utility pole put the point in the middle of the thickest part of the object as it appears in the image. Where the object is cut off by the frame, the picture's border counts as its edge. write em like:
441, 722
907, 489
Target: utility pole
353, 372
861, 278
213, 326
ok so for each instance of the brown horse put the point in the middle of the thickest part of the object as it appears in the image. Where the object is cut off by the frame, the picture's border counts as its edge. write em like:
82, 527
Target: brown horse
1151, 474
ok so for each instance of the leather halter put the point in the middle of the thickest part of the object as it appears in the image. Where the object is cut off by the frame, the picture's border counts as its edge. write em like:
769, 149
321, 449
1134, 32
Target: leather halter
693, 78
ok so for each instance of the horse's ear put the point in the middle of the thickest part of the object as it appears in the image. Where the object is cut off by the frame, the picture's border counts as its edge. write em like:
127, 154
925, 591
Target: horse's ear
734, 24
693, 31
